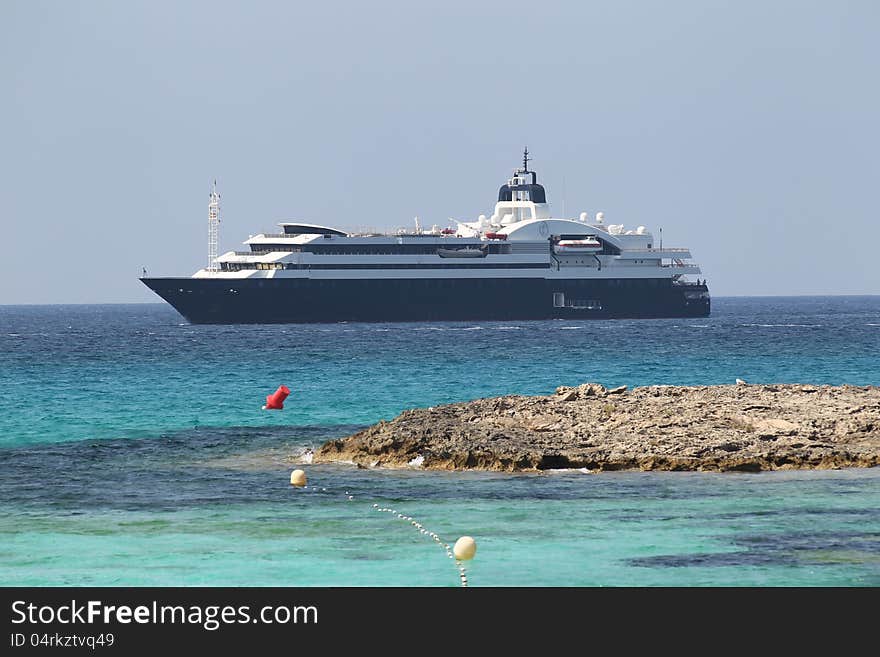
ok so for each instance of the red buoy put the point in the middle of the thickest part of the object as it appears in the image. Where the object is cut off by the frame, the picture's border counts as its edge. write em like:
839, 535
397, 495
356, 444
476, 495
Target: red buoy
275, 401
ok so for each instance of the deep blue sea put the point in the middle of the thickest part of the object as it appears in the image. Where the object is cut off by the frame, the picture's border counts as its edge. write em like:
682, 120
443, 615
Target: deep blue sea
134, 451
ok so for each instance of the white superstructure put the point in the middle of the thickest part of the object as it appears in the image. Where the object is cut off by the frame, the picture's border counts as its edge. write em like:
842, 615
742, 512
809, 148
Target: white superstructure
520, 231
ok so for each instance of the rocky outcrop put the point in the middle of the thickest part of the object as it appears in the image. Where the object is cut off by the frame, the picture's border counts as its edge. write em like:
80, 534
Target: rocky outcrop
737, 427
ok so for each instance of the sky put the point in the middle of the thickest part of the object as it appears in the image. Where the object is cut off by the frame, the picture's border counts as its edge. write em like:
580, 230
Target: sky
747, 130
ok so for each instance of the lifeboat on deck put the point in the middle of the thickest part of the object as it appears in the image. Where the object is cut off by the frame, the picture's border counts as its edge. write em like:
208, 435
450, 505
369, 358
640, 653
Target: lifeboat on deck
462, 253
585, 245
495, 236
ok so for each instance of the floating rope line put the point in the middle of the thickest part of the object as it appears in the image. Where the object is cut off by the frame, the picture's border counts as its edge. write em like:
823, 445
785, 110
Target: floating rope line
462, 574
298, 479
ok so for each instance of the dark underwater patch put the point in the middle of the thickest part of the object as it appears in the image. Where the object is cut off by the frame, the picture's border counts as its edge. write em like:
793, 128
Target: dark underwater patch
779, 549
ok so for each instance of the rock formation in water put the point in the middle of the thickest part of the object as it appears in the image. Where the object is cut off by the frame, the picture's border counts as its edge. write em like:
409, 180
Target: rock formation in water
727, 427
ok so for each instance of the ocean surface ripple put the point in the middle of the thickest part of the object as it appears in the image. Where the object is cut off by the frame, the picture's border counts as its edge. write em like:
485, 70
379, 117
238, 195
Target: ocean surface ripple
133, 451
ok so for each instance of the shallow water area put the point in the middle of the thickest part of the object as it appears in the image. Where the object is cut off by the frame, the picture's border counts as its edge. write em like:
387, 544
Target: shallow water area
133, 451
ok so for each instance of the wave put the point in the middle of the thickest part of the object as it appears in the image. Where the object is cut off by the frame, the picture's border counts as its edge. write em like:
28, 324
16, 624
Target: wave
448, 328
785, 325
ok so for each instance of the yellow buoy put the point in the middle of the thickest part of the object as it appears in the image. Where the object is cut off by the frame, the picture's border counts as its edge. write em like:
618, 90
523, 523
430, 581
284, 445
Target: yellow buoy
465, 548
298, 478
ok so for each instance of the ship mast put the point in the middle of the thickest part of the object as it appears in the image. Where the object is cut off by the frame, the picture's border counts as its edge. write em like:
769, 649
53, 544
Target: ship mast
213, 227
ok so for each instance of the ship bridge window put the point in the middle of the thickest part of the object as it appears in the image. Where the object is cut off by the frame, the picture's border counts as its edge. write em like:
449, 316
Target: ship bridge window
526, 192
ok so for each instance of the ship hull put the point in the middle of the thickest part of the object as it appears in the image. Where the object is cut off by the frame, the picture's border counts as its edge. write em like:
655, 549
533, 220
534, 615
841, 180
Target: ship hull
304, 300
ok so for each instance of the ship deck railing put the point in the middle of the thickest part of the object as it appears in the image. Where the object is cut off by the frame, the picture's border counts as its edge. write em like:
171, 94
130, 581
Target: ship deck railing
675, 250
262, 252
422, 234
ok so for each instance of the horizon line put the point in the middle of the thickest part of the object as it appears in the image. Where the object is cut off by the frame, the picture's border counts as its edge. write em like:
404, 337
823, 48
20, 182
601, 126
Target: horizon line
163, 303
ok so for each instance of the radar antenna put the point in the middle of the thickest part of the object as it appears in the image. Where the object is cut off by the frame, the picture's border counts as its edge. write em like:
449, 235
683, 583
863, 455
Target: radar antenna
213, 227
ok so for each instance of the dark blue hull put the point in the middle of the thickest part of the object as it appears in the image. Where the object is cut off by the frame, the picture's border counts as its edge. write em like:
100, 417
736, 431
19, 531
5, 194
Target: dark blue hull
291, 300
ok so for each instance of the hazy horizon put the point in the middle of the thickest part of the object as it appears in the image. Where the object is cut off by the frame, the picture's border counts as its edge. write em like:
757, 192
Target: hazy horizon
747, 131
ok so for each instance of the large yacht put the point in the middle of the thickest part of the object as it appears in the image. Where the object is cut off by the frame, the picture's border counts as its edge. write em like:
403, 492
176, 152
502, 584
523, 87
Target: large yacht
519, 263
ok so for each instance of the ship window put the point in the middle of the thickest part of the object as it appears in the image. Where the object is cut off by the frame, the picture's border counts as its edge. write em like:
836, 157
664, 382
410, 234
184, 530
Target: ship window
558, 299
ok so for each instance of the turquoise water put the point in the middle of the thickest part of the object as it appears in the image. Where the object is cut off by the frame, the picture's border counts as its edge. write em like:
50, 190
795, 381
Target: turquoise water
133, 451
